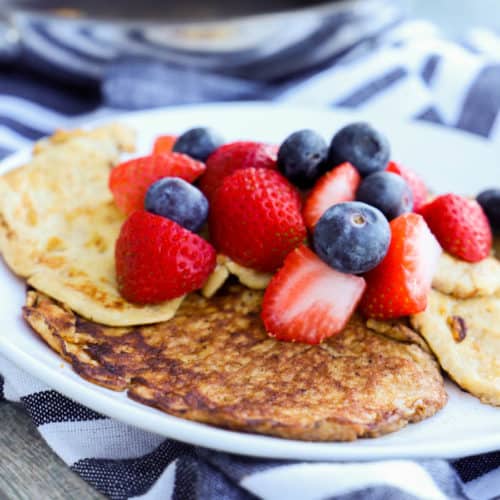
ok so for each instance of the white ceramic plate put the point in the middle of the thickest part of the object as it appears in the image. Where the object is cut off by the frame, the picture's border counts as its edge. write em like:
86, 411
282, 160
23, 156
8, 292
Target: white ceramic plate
449, 161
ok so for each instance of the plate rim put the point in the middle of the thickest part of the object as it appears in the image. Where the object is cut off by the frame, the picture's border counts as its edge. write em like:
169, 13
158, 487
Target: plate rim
199, 434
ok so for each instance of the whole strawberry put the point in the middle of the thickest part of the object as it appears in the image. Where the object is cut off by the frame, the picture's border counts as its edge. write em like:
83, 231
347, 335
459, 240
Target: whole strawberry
157, 260
460, 226
129, 181
236, 156
255, 218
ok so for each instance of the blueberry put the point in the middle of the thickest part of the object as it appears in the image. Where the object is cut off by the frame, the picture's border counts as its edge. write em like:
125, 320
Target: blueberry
177, 200
302, 157
490, 202
363, 146
199, 143
388, 192
352, 237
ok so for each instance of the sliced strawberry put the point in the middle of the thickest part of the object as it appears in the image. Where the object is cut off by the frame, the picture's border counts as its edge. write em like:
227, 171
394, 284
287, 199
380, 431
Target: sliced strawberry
157, 260
129, 181
308, 301
164, 144
417, 185
400, 284
236, 156
336, 186
460, 225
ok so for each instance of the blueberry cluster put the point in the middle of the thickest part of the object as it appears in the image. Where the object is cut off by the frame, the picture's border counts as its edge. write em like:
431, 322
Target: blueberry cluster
304, 156
352, 237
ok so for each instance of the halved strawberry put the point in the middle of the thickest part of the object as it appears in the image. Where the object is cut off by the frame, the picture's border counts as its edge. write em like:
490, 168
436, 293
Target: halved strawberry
308, 301
400, 284
416, 184
129, 181
164, 144
236, 156
460, 225
336, 186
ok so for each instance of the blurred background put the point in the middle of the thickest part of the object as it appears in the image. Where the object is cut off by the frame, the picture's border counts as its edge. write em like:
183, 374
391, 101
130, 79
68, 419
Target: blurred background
455, 16
253, 39
149, 53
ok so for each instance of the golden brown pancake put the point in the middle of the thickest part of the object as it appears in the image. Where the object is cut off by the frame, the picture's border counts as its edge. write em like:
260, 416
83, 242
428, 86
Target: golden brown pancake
462, 323
214, 363
59, 224
464, 280
465, 336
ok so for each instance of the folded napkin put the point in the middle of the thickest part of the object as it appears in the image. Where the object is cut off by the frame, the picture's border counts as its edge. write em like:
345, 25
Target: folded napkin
409, 71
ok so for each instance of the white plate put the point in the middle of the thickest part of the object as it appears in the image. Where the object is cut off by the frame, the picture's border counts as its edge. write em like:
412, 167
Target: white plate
449, 161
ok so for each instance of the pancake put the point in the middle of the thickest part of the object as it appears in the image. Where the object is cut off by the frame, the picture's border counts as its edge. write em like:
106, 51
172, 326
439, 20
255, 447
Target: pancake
256, 280
462, 323
214, 363
464, 334
462, 279
58, 225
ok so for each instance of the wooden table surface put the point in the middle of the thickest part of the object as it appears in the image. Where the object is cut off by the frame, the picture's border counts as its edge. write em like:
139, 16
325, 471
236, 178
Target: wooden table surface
29, 469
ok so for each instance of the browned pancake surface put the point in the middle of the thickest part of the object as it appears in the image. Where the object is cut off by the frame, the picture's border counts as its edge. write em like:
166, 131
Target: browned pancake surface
214, 363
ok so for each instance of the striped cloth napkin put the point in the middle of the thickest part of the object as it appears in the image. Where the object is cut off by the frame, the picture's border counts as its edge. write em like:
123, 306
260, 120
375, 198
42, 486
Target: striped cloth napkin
409, 71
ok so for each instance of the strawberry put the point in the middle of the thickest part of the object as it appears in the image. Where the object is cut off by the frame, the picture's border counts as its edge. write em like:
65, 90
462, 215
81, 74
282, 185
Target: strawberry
460, 225
400, 284
157, 260
164, 144
235, 156
129, 181
255, 218
308, 301
336, 186
416, 184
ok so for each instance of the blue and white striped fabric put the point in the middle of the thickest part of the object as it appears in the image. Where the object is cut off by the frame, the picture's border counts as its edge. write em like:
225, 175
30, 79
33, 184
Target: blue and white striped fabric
410, 72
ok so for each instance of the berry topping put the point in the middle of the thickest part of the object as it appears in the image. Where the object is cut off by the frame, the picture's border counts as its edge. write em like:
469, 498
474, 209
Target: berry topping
236, 156
388, 192
400, 284
307, 301
336, 186
490, 203
417, 185
130, 180
198, 143
361, 145
157, 260
302, 157
255, 218
460, 226
352, 237
164, 144
179, 201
